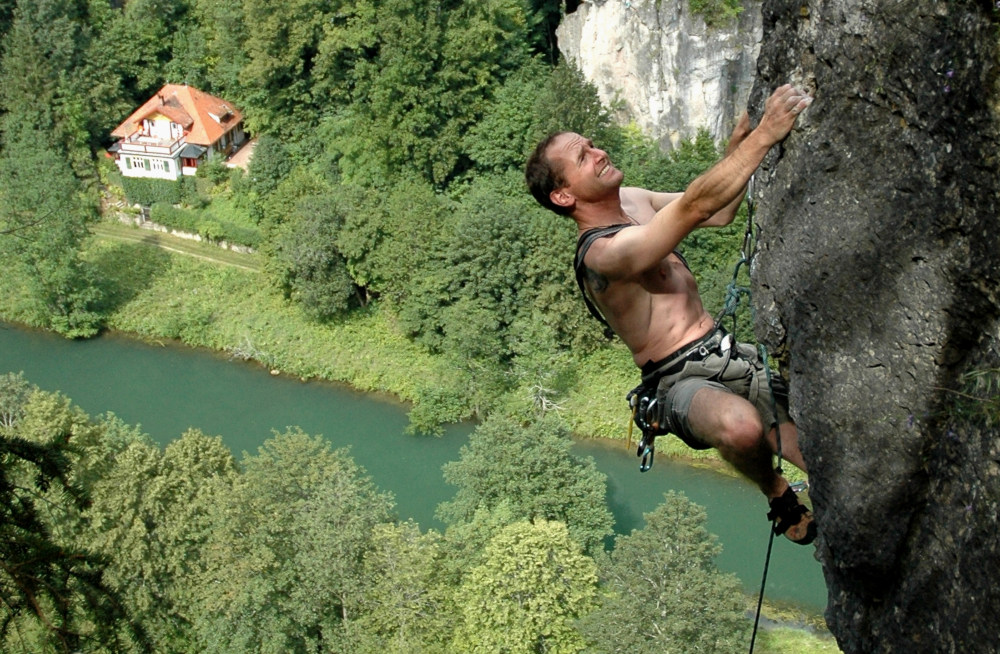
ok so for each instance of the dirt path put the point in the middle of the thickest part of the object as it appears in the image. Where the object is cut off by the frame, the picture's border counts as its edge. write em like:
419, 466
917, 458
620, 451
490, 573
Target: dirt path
197, 249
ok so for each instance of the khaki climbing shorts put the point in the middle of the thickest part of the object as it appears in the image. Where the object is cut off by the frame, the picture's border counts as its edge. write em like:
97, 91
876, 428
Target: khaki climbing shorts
714, 361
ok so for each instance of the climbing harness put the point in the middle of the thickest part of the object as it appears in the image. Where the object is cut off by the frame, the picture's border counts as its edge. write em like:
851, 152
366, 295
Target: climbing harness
648, 407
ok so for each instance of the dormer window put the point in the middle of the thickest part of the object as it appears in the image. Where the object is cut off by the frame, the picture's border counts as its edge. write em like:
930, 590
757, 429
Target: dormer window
222, 116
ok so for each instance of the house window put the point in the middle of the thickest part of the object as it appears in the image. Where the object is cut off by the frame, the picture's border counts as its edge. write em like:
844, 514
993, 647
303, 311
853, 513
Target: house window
161, 165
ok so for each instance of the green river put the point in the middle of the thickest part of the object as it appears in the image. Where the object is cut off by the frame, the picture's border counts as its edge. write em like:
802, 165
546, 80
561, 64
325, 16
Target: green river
167, 389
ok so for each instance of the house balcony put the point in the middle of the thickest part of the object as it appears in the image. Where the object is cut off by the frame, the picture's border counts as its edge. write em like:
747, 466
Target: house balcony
142, 144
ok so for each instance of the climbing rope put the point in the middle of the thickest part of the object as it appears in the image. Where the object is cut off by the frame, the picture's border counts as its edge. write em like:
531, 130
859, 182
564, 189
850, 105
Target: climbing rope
735, 292
777, 468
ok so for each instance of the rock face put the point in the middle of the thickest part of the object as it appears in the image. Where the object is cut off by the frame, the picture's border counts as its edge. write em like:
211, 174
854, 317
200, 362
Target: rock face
663, 68
877, 285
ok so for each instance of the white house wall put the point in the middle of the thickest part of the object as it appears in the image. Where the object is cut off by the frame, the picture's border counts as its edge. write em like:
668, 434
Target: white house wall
160, 127
132, 165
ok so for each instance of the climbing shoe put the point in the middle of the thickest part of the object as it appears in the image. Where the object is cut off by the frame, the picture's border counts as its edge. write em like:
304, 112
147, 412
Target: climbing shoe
792, 519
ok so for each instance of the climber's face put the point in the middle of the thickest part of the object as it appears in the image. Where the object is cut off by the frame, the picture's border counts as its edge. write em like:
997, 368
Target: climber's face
587, 171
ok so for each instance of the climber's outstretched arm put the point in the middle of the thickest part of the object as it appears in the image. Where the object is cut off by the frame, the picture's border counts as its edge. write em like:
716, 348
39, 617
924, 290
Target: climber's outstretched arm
634, 250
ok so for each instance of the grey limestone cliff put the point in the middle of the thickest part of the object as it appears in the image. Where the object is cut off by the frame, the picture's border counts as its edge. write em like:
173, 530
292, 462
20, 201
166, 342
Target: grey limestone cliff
663, 68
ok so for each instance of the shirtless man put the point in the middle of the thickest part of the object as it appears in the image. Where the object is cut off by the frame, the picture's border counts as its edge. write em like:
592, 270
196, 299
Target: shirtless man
710, 389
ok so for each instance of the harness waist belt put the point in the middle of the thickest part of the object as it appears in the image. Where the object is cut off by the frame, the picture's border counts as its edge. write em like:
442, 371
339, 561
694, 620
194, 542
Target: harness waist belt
717, 340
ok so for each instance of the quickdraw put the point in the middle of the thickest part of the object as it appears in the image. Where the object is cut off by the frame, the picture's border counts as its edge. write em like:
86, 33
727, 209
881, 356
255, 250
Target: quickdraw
643, 411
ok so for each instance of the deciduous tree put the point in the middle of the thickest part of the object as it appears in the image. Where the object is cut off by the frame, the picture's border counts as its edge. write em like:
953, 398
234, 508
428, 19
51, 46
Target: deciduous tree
531, 470
150, 519
662, 591
53, 593
43, 220
390, 235
14, 393
525, 596
285, 559
281, 45
406, 604
423, 83
312, 271
223, 30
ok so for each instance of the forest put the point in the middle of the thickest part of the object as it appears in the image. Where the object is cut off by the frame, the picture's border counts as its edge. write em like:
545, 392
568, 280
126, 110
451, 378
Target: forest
386, 202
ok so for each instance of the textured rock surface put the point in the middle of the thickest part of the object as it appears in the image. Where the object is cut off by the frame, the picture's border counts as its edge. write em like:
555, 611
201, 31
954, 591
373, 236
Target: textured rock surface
877, 284
664, 69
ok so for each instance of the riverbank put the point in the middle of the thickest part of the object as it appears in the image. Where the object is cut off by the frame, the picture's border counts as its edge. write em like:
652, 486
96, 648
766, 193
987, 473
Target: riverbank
217, 299
169, 388
228, 309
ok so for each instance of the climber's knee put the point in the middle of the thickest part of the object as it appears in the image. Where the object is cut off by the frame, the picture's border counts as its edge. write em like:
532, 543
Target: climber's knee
727, 422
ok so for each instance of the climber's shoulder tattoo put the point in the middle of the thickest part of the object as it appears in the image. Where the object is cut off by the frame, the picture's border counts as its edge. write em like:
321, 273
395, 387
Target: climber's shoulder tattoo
597, 282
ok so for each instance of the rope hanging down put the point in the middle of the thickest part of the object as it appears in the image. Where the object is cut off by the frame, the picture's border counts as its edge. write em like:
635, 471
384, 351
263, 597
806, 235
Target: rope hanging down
734, 295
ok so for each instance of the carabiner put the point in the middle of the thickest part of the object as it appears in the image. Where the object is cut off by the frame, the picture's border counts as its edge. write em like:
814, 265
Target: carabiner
647, 448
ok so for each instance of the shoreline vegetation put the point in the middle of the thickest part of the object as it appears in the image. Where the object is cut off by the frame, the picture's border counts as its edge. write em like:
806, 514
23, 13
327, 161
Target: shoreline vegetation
595, 407
191, 294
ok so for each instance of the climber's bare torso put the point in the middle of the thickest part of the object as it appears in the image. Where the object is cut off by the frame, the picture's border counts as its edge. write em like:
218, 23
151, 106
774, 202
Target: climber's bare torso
655, 311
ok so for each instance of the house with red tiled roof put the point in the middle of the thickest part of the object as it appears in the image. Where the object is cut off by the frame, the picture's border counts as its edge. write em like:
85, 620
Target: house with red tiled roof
174, 132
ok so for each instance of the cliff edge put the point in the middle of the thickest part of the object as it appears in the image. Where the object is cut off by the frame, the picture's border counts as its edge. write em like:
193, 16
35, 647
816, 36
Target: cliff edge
877, 286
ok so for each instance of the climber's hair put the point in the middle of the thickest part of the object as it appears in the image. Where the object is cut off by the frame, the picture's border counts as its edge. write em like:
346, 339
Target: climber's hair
544, 176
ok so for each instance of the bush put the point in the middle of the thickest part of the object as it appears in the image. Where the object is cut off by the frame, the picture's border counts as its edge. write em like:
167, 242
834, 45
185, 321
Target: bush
242, 235
716, 12
204, 224
144, 191
214, 170
211, 229
184, 220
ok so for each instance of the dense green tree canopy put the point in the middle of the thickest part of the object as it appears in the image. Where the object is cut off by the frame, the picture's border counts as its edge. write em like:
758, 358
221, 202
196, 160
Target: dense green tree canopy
525, 596
149, 519
123, 546
285, 557
43, 220
304, 253
391, 235
434, 67
663, 591
530, 470
53, 593
406, 605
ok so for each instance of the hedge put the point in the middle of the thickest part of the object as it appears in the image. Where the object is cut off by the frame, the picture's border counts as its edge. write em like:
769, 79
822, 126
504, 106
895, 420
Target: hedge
144, 191
203, 223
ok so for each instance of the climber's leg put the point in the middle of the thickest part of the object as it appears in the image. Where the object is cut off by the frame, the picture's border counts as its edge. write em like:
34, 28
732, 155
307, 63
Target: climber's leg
732, 425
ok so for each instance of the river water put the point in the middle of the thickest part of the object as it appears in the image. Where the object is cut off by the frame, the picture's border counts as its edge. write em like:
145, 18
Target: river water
168, 389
